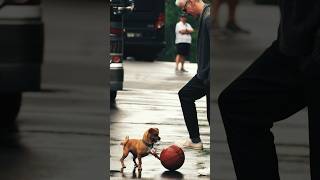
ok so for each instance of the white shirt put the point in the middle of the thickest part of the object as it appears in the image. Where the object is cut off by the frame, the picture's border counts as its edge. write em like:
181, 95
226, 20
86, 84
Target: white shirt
183, 38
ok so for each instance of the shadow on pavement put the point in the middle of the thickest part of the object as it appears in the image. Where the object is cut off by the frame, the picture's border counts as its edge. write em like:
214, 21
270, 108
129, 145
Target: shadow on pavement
14, 157
172, 175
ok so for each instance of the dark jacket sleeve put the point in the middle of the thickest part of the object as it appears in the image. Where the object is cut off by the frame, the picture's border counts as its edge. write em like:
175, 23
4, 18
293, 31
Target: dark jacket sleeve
208, 25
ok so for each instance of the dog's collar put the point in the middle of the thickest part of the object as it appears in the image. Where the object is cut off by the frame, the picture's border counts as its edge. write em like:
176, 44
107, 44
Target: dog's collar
147, 144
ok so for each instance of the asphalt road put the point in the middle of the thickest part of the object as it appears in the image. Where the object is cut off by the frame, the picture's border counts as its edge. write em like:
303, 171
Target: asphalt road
63, 128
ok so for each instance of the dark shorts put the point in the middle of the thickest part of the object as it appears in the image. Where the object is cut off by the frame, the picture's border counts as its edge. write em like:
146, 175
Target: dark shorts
183, 49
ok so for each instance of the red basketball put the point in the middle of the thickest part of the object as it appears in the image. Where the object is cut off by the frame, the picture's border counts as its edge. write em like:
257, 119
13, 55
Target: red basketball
172, 157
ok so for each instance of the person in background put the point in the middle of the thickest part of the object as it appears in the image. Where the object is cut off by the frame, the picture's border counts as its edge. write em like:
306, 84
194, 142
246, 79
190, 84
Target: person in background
199, 85
183, 41
231, 25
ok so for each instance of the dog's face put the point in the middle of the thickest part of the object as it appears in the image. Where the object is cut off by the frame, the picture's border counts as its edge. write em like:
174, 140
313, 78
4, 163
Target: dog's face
153, 135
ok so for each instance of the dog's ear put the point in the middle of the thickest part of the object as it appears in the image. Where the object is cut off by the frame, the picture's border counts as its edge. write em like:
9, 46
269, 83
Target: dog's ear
153, 130
150, 130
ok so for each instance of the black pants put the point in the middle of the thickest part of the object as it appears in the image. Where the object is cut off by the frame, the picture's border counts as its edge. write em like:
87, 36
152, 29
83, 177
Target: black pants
192, 91
273, 88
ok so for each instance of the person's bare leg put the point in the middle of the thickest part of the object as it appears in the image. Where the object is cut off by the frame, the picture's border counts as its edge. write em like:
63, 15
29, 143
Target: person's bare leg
232, 5
232, 24
182, 63
215, 12
177, 61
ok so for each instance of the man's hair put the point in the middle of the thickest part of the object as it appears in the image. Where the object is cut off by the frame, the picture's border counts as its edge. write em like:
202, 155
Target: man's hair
178, 2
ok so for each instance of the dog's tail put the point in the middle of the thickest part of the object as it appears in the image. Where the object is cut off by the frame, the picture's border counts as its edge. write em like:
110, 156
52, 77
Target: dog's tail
124, 142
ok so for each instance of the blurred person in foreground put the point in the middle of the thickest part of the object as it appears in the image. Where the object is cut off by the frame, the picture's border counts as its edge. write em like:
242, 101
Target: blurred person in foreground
183, 41
282, 81
232, 24
198, 86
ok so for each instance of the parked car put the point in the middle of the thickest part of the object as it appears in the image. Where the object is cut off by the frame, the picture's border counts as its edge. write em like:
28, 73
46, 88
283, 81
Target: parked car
21, 57
116, 63
117, 10
144, 30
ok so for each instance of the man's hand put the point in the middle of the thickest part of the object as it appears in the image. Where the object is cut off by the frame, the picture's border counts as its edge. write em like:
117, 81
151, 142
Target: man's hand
186, 31
189, 31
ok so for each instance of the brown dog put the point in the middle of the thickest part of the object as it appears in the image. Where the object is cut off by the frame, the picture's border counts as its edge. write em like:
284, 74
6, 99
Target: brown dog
140, 148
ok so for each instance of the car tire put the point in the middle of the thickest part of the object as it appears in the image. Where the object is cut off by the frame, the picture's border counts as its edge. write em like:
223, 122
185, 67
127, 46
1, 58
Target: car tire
113, 95
10, 106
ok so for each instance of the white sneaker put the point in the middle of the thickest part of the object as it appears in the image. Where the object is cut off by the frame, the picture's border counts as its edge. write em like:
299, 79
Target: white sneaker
204, 172
189, 144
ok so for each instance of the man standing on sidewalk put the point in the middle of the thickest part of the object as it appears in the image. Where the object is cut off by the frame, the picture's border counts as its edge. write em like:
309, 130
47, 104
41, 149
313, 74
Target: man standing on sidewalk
183, 41
282, 81
199, 85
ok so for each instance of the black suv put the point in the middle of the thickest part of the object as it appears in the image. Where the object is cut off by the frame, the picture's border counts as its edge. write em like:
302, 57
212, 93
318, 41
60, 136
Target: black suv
144, 32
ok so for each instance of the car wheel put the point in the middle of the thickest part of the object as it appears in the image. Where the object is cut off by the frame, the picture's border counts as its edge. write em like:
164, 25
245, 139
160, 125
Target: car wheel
10, 104
113, 95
